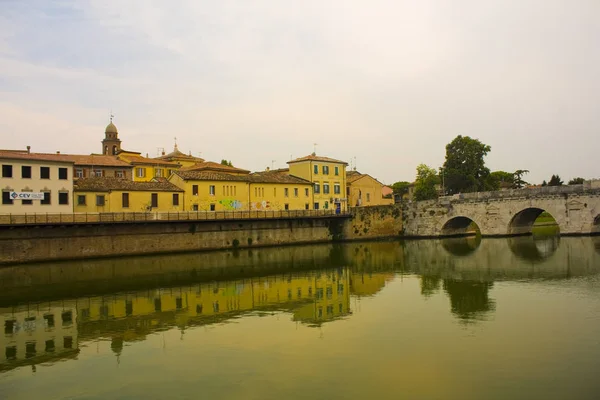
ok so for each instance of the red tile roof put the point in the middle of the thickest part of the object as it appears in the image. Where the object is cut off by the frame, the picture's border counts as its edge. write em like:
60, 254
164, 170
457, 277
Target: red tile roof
210, 176
314, 157
213, 166
136, 159
17, 155
105, 184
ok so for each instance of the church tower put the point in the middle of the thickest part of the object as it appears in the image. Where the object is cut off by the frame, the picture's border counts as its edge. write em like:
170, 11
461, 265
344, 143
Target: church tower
111, 143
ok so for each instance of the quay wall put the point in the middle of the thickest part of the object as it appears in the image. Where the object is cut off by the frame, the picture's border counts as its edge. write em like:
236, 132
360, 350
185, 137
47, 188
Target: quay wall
27, 243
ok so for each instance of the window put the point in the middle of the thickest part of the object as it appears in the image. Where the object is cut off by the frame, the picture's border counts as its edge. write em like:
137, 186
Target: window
79, 173
195, 207
295, 192
317, 188
27, 202
140, 172
50, 346
119, 174
325, 188
68, 342
195, 190
169, 172
125, 200
7, 171
81, 200
326, 205
6, 199
212, 207
158, 172
62, 173
306, 191
316, 206
98, 173
368, 197
316, 169
154, 200
44, 172
211, 190
336, 188
46, 200
286, 192
325, 170
100, 200
26, 172
286, 206
306, 206
348, 191
336, 170
175, 199
63, 198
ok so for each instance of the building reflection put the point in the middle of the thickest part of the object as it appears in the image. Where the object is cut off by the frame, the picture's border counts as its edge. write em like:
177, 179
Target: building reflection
54, 331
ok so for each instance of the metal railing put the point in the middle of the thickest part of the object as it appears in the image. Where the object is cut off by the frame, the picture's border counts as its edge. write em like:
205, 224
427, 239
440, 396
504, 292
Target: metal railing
127, 217
516, 193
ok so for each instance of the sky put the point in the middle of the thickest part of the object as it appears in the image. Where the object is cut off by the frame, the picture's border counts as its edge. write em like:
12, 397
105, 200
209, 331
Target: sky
382, 85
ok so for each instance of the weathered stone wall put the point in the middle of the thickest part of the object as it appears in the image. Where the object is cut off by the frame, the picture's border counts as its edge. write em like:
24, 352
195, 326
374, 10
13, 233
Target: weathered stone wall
374, 222
574, 213
19, 244
29, 243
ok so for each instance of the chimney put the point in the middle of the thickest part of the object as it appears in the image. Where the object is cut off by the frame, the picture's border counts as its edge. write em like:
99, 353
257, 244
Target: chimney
28, 149
163, 152
146, 155
268, 169
58, 152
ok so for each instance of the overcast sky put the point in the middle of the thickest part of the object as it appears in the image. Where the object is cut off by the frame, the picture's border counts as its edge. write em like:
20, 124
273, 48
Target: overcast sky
387, 82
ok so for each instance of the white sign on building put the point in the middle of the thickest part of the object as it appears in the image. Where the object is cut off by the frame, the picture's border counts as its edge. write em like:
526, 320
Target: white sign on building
27, 196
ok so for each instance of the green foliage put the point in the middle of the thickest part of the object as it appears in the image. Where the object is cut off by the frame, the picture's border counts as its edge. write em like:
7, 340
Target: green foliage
499, 179
464, 169
518, 181
544, 183
555, 181
576, 181
401, 188
425, 183
225, 162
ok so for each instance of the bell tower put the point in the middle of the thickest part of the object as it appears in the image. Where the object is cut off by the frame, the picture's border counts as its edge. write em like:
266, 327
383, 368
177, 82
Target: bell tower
111, 143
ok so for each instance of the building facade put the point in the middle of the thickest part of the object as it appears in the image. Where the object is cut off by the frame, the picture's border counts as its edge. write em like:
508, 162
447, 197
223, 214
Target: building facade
144, 168
24, 172
364, 190
118, 195
328, 177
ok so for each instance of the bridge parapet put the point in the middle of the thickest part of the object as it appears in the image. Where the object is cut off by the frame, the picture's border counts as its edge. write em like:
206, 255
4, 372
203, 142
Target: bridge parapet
526, 192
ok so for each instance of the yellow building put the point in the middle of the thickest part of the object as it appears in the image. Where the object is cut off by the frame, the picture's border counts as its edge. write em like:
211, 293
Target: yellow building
119, 195
277, 190
145, 169
328, 177
181, 158
212, 191
364, 190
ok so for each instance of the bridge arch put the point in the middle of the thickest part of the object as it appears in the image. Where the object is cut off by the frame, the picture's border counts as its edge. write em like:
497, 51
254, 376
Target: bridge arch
460, 226
461, 246
522, 222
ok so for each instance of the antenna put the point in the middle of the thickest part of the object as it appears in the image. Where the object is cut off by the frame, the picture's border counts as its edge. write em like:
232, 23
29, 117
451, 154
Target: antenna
315, 148
175, 142
272, 163
111, 115
355, 163
160, 151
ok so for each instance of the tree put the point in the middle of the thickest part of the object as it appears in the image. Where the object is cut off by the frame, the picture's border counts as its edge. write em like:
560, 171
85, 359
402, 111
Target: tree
576, 181
401, 188
464, 169
555, 181
425, 183
518, 181
544, 183
499, 179
225, 162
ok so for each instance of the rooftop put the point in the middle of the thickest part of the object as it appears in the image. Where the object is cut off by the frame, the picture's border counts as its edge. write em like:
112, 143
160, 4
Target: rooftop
210, 176
133, 158
277, 177
213, 166
314, 157
179, 155
105, 184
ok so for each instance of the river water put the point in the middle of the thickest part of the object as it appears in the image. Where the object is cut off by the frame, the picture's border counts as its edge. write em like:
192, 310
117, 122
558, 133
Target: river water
514, 318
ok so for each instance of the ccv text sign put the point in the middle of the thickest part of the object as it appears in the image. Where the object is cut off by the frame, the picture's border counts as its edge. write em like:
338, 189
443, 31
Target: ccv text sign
27, 196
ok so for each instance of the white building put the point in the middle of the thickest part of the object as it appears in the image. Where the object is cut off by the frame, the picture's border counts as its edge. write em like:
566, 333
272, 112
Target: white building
24, 172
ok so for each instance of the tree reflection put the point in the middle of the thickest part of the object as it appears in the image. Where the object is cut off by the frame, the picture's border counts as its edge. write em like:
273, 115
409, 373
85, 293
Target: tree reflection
534, 248
469, 300
596, 241
430, 285
461, 246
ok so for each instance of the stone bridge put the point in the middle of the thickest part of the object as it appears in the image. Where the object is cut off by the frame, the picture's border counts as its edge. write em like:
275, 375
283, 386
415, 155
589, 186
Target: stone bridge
576, 209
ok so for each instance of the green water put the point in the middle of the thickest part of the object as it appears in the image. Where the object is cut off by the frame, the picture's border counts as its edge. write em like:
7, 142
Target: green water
515, 318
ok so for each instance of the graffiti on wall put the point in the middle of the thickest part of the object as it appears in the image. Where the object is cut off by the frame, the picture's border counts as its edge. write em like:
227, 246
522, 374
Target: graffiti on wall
231, 204
260, 205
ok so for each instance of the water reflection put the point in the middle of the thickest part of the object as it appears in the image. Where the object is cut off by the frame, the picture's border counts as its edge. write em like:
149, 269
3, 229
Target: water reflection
534, 248
49, 312
469, 300
461, 246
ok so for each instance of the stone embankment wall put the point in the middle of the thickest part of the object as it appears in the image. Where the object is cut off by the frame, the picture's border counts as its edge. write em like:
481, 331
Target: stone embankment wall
29, 243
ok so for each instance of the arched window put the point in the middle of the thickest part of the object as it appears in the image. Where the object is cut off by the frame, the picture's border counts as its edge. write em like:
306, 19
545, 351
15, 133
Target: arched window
105, 149
114, 150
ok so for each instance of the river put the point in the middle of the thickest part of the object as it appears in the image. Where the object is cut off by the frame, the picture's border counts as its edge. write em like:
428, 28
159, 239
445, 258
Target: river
511, 318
